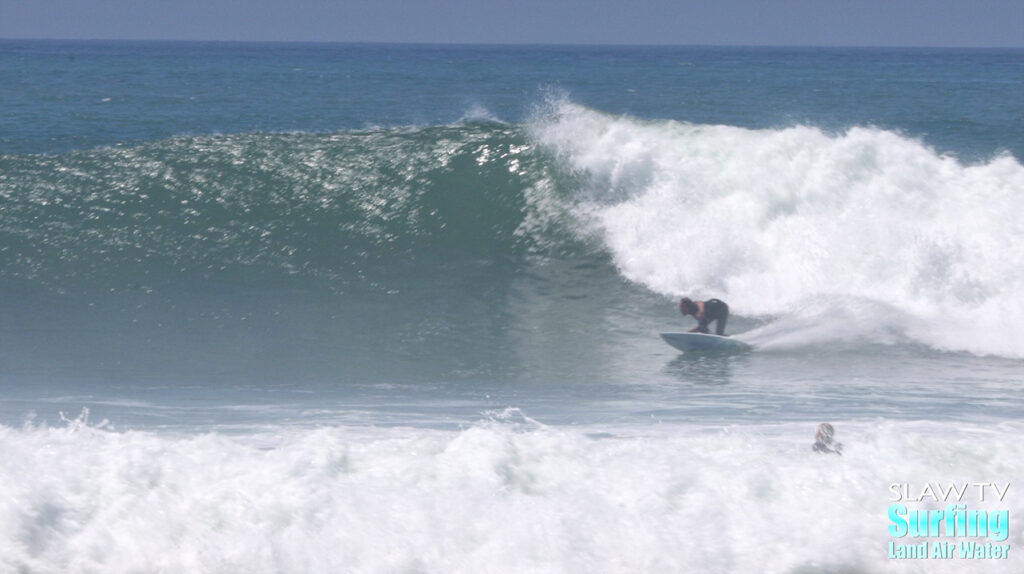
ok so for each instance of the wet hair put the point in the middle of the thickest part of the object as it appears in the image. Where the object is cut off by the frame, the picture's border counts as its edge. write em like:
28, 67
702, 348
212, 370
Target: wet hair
824, 440
687, 304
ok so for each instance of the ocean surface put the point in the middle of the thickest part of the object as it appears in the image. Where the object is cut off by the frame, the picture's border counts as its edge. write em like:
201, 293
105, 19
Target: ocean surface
369, 308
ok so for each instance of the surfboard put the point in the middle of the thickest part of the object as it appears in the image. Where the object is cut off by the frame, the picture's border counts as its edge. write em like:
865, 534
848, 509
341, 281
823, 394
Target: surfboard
704, 342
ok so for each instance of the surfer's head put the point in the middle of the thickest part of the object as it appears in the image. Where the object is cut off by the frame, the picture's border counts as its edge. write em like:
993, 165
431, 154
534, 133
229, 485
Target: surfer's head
687, 306
824, 440
825, 433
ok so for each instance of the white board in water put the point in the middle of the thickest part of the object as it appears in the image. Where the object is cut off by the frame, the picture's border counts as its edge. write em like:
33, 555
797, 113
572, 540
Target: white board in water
704, 342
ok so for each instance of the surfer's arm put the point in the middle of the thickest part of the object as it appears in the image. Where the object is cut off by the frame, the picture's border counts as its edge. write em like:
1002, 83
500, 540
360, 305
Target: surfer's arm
702, 323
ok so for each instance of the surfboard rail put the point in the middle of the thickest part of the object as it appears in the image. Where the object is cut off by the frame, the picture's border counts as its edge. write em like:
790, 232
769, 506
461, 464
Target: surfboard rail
704, 342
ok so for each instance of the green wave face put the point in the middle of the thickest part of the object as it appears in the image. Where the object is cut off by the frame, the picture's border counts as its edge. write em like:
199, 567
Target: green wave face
405, 253
330, 205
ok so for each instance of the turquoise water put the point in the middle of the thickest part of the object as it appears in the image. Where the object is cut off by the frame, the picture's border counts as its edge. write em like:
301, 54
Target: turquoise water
293, 308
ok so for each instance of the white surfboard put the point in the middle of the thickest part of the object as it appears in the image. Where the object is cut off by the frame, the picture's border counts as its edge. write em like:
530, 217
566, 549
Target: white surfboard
704, 342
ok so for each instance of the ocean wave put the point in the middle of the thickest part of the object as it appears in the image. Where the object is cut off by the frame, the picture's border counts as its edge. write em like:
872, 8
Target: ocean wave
863, 235
326, 204
776, 221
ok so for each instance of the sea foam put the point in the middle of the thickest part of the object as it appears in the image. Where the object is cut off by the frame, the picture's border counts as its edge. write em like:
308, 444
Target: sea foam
504, 494
873, 229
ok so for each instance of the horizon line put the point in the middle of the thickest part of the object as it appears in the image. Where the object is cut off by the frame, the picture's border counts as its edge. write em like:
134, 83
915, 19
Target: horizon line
517, 44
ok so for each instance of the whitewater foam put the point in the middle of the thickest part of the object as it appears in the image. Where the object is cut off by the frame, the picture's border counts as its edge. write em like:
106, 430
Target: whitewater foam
507, 493
773, 220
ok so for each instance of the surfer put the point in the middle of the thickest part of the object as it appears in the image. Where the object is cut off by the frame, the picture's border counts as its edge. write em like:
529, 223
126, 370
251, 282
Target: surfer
823, 440
705, 312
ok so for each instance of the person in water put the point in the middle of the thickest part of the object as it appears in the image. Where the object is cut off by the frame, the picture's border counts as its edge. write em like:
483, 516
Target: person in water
824, 441
705, 312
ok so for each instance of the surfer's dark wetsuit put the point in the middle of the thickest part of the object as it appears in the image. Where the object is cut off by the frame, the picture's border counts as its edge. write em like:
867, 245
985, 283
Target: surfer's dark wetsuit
714, 310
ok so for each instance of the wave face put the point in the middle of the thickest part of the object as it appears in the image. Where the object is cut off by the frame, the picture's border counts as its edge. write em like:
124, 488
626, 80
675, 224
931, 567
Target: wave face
863, 233
322, 204
483, 248
372, 253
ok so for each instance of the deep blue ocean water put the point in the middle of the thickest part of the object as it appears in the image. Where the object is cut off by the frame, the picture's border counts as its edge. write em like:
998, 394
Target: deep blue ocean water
374, 308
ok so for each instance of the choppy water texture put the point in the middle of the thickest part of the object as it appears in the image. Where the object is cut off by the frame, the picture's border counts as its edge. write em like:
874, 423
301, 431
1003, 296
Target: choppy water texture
292, 308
